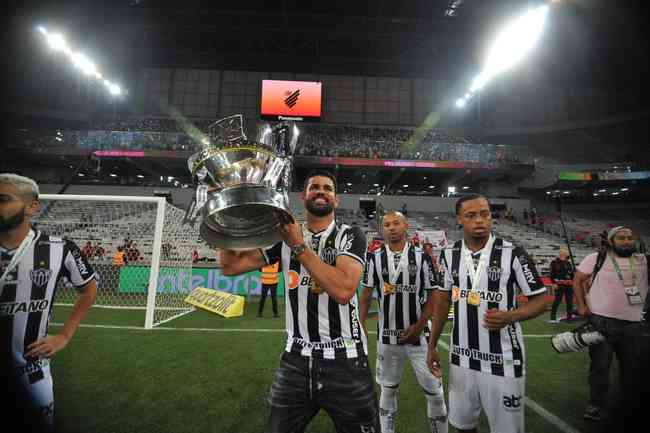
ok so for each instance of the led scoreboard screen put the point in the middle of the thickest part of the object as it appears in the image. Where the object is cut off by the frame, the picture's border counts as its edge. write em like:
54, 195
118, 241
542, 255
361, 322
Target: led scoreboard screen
291, 99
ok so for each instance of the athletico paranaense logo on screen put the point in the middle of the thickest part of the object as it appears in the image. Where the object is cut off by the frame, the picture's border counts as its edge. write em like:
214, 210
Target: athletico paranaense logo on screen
291, 98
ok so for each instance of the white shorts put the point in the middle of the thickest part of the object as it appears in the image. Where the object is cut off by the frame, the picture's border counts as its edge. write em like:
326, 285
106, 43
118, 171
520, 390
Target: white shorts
41, 393
390, 365
502, 399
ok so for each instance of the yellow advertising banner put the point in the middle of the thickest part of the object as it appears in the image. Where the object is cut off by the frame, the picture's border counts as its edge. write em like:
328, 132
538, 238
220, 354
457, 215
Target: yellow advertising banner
215, 301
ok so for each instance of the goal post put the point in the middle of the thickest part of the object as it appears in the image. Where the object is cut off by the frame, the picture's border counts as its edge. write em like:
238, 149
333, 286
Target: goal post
157, 246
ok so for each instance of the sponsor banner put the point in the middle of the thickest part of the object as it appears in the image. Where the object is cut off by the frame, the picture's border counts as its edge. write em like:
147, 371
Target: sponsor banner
574, 175
477, 354
135, 279
215, 301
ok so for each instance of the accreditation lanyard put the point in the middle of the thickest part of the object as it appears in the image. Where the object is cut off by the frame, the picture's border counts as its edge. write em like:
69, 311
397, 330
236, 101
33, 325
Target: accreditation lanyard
393, 272
617, 268
17, 257
475, 273
307, 235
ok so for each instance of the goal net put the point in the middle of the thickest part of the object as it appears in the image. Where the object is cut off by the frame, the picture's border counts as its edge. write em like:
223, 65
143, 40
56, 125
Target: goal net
156, 274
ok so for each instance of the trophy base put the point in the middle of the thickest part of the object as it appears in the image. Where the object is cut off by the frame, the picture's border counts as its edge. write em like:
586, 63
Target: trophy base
243, 217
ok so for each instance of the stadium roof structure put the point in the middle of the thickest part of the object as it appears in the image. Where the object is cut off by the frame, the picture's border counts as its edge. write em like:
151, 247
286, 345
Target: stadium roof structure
444, 39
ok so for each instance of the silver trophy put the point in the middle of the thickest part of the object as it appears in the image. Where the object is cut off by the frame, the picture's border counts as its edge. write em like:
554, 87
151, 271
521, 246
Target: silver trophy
243, 192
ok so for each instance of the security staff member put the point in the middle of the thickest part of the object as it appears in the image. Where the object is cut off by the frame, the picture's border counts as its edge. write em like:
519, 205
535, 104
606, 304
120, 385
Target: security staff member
269, 285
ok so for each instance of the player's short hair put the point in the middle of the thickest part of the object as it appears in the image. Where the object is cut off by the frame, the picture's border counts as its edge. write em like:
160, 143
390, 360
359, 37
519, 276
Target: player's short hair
320, 172
25, 186
469, 197
394, 212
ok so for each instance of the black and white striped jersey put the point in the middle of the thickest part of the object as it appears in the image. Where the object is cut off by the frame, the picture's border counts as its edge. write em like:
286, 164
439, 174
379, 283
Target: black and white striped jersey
473, 346
402, 281
28, 293
316, 324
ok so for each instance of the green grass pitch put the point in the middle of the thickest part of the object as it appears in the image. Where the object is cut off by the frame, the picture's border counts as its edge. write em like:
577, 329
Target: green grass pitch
204, 373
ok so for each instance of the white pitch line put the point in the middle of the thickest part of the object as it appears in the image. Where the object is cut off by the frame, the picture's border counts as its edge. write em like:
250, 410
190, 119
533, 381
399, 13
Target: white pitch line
548, 416
165, 328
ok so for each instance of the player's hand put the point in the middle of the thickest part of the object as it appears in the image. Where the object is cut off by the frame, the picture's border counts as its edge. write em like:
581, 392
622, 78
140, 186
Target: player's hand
46, 347
495, 319
410, 336
433, 362
291, 231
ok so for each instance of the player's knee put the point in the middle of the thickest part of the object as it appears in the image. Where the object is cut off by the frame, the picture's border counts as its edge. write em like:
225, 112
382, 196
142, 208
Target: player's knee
388, 398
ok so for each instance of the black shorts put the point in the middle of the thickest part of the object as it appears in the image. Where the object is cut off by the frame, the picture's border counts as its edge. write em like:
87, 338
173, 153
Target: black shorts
342, 387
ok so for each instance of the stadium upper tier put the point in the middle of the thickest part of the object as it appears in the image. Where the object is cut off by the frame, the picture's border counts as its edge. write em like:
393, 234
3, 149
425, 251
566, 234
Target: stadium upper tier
315, 140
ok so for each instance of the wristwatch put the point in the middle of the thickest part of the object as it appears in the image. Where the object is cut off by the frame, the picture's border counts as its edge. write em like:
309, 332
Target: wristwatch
297, 250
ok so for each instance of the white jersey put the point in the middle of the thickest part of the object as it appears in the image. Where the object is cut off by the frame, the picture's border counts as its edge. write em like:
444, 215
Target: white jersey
27, 296
507, 267
316, 324
402, 281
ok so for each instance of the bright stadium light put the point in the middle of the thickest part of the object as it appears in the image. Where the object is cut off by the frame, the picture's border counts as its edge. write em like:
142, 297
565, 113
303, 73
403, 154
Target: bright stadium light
115, 90
84, 63
512, 44
56, 42
460, 103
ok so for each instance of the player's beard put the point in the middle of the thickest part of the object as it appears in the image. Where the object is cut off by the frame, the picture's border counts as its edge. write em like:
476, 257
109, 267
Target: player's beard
623, 252
319, 211
13, 221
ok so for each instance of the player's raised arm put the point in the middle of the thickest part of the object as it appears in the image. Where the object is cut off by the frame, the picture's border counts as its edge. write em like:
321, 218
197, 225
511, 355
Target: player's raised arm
239, 262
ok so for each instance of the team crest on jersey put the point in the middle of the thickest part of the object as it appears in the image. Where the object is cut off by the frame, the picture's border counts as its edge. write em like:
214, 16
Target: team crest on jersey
413, 268
40, 276
328, 255
494, 273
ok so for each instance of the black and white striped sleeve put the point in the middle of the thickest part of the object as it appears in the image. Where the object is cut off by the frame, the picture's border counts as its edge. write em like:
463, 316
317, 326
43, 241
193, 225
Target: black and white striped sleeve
353, 243
369, 275
430, 278
445, 274
75, 265
526, 274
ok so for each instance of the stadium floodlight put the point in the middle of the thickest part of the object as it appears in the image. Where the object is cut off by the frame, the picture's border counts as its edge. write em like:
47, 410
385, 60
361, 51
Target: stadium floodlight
460, 103
431, 186
113, 175
115, 90
512, 44
140, 176
376, 184
348, 184
56, 41
84, 63
466, 187
625, 189
405, 186
451, 190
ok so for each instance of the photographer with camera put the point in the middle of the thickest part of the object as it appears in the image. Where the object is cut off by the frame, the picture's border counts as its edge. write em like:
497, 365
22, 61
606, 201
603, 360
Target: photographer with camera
611, 288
